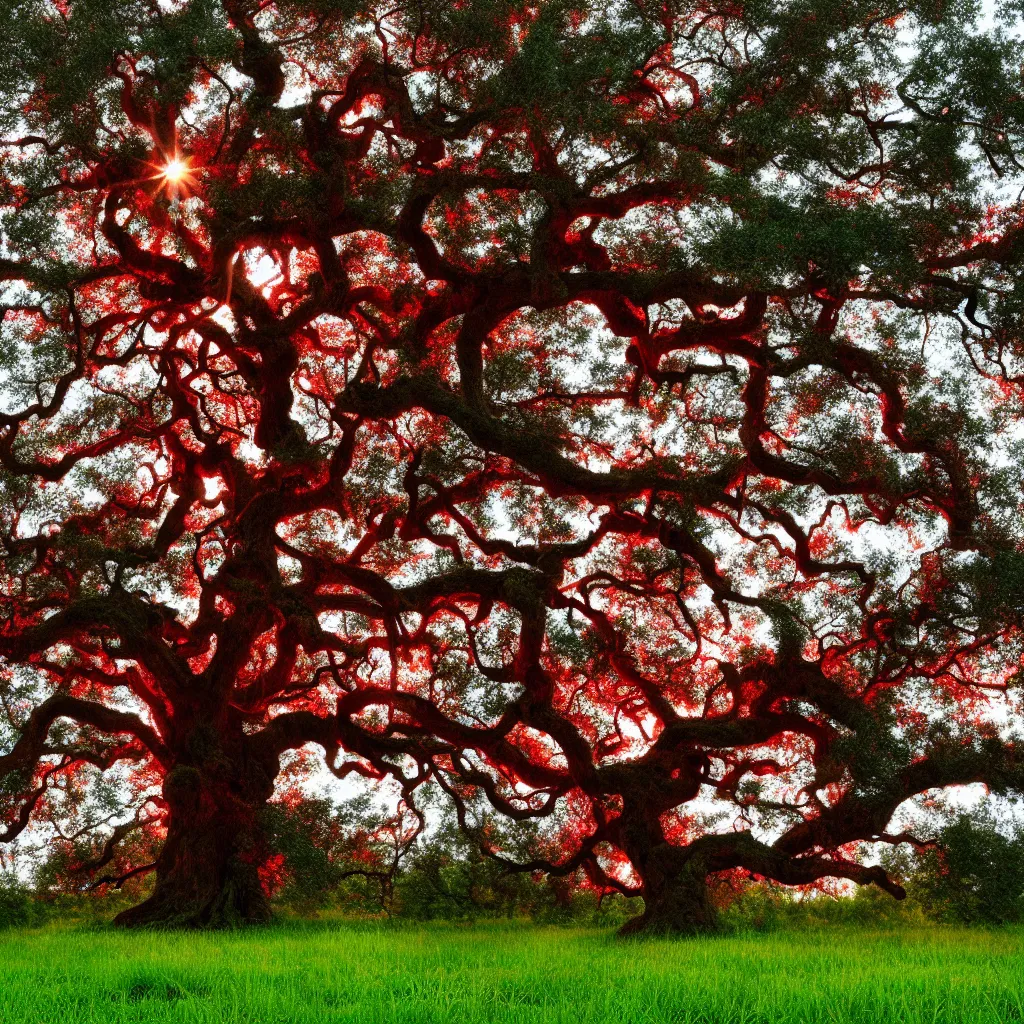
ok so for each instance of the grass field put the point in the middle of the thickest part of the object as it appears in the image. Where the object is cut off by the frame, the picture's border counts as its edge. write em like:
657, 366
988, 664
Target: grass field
492, 973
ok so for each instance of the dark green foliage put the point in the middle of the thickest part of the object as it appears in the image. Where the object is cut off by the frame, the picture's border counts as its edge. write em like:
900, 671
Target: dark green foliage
973, 875
18, 908
305, 834
322, 846
768, 907
449, 878
343, 856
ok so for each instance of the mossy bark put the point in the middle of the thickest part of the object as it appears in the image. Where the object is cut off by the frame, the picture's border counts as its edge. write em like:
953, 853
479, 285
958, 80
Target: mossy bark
208, 872
677, 903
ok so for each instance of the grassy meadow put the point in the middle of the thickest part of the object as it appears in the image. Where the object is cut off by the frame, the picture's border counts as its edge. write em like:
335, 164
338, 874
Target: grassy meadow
368, 972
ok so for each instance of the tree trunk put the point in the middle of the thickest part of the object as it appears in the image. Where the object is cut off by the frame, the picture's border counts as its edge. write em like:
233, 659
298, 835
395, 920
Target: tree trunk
207, 874
676, 903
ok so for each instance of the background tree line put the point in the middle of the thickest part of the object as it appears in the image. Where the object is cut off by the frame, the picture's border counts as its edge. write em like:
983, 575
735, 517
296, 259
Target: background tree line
345, 858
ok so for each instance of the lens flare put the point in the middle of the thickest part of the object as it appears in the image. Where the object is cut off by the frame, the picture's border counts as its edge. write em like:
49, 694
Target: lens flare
174, 170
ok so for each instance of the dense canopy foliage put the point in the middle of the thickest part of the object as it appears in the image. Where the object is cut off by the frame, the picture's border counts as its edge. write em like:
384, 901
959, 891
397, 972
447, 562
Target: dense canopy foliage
611, 412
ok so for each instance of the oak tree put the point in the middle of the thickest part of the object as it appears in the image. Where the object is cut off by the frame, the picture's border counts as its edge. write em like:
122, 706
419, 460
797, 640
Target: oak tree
608, 411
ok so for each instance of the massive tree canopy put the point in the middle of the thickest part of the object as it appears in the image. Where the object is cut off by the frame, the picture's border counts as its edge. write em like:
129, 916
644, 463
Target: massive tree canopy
609, 411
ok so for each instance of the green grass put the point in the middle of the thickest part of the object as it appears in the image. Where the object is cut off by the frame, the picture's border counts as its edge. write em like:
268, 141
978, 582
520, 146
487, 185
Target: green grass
467, 974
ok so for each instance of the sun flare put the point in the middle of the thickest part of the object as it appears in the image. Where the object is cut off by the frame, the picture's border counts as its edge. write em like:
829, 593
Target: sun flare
175, 170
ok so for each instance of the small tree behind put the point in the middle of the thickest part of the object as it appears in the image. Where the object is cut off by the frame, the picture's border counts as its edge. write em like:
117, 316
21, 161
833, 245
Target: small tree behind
973, 874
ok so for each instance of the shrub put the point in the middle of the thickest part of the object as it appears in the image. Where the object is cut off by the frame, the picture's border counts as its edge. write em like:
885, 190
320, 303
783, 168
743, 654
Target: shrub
974, 874
18, 907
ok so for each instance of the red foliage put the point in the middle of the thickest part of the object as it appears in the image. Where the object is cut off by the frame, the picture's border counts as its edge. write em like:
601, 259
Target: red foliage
409, 424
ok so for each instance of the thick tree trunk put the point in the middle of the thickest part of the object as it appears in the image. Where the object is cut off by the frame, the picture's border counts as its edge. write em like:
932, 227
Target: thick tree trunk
677, 903
207, 874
